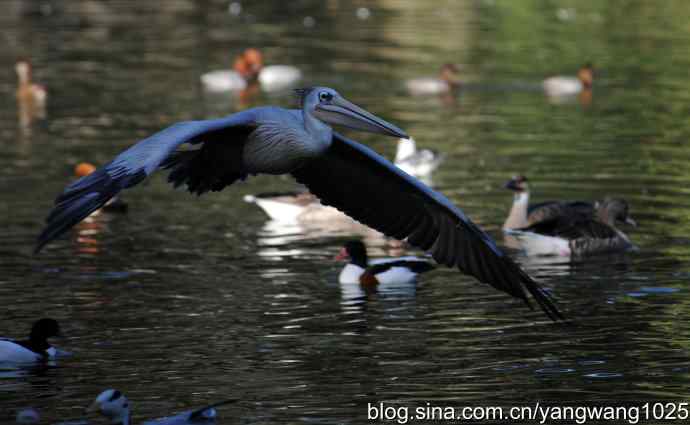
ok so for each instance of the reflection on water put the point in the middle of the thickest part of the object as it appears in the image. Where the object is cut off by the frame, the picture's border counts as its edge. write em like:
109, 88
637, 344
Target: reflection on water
190, 300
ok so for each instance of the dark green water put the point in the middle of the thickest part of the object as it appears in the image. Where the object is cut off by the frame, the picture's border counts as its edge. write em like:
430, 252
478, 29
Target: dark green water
189, 300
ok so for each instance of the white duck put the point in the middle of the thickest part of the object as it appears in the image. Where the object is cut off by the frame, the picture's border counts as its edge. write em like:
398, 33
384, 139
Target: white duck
563, 86
34, 349
248, 69
114, 405
446, 82
360, 270
415, 162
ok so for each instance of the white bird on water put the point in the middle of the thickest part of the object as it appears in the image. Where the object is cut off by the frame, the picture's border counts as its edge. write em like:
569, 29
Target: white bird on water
341, 172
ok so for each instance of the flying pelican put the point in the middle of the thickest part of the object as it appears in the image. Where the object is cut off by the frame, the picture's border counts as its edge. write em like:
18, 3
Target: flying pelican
343, 173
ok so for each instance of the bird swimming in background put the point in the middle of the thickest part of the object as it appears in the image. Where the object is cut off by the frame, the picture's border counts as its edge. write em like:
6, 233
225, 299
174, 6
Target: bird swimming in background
418, 163
31, 97
341, 172
577, 234
116, 407
249, 68
446, 82
34, 349
563, 86
523, 214
361, 270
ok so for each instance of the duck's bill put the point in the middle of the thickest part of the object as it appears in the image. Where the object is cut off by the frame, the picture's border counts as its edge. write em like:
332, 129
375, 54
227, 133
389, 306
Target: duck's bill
339, 111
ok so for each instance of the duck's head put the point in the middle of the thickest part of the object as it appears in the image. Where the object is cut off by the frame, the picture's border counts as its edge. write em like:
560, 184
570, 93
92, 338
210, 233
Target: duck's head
586, 75
113, 405
517, 184
84, 169
23, 69
613, 211
450, 73
328, 106
43, 329
254, 59
355, 252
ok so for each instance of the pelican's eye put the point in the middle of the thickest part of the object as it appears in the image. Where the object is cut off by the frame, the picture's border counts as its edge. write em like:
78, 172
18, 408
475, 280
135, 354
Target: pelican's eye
325, 96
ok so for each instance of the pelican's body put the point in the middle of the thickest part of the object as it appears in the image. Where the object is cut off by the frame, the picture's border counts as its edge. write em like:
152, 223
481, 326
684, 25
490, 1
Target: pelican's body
341, 172
416, 162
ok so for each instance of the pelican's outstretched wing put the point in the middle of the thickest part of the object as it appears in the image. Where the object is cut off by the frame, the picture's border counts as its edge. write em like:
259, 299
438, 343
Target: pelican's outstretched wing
368, 188
129, 168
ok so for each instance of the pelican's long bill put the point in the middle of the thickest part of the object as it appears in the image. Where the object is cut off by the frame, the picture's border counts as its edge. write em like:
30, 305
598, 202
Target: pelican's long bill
339, 111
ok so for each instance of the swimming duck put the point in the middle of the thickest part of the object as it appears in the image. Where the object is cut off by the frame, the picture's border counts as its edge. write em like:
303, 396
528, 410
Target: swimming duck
114, 405
446, 82
34, 349
114, 205
561, 86
580, 234
416, 162
523, 214
29, 92
294, 206
249, 68
361, 270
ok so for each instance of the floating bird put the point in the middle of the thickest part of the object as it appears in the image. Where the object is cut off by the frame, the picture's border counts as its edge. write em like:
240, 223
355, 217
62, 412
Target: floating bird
416, 162
446, 82
31, 97
294, 206
34, 349
579, 234
523, 214
361, 270
115, 204
249, 68
562, 86
114, 405
341, 172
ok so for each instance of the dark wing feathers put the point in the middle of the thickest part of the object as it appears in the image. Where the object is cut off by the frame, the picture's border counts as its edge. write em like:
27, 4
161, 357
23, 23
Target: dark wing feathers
129, 168
368, 188
554, 209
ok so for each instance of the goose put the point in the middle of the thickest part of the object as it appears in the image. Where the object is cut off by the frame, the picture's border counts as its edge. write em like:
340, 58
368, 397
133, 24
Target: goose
114, 405
416, 162
361, 270
341, 172
249, 68
523, 214
446, 82
561, 86
576, 234
115, 204
34, 349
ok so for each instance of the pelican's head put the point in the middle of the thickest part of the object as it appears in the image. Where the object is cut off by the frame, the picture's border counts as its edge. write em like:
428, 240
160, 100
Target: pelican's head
586, 75
329, 106
113, 405
517, 184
